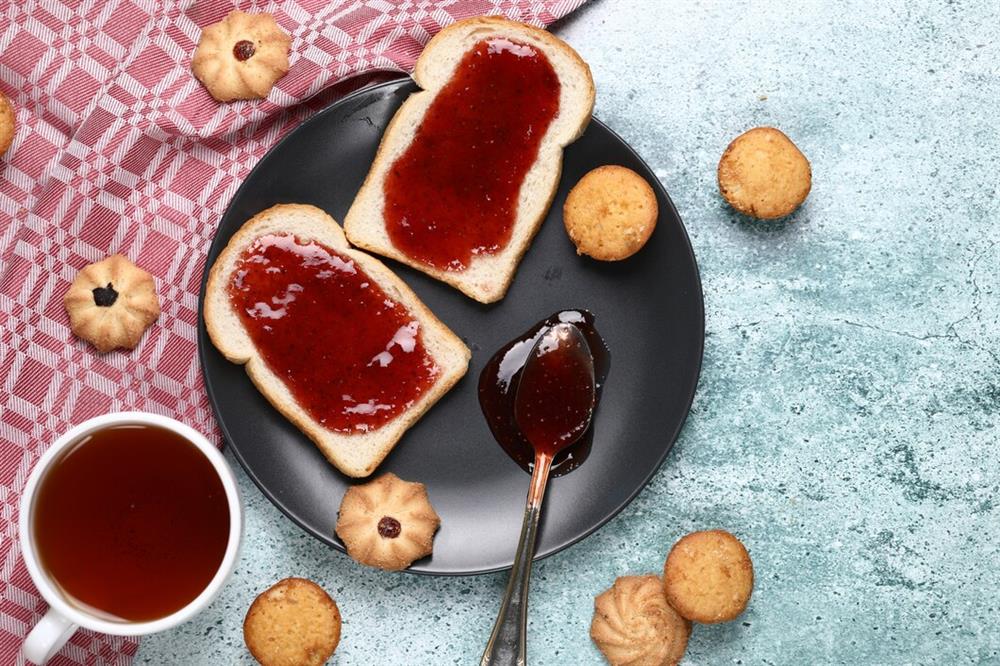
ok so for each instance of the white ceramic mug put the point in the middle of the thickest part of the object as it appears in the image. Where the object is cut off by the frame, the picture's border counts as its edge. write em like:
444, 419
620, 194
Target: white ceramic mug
64, 618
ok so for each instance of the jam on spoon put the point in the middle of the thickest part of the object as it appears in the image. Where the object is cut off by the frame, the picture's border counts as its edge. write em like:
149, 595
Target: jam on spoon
499, 380
553, 406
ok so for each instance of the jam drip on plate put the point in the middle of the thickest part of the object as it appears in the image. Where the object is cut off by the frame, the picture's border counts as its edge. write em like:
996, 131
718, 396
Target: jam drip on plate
454, 192
350, 355
499, 381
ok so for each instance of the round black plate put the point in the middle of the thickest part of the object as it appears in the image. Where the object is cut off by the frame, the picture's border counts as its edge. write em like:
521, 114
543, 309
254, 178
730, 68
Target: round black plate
649, 309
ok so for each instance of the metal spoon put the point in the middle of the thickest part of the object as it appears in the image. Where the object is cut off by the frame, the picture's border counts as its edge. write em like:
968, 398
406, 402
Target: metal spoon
553, 407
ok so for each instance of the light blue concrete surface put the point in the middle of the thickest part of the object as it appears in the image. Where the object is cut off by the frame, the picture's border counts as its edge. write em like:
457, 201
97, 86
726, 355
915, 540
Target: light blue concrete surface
846, 424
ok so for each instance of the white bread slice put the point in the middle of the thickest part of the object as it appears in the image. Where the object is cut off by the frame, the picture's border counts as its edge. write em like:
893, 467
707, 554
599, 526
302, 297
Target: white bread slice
358, 454
487, 276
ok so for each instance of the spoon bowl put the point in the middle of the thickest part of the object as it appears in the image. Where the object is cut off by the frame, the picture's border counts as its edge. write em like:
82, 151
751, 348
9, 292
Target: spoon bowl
555, 396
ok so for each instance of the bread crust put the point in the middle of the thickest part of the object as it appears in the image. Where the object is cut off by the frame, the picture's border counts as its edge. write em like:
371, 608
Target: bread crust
219, 318
524, 230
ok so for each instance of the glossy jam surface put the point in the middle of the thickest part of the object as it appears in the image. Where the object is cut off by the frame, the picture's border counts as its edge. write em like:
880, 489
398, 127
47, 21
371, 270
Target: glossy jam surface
501, 376
351, 355
132, 522
555, 397
453, 194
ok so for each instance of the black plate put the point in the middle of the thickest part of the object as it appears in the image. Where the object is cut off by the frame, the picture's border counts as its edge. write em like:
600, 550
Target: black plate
649, 309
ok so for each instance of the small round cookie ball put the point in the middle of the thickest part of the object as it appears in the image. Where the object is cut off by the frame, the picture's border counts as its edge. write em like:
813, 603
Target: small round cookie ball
8, 123
708, 577
292, 623
763, 174
611, 213
633, 624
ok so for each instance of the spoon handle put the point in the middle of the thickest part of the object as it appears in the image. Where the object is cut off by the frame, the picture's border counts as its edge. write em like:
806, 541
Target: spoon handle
508, 642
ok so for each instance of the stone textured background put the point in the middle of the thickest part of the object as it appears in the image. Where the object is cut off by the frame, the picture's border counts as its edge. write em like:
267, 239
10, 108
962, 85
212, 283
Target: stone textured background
846, 423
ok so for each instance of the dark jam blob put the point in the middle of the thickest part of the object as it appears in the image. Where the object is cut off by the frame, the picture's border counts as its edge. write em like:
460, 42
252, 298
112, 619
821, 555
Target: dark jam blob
105, 297
499, 380
389, 527
453, 194
244, 50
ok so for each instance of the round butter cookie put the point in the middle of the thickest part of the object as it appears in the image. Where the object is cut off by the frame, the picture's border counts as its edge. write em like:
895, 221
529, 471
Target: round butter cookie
764, 175
292, 623
611, 213
111, 303
241, 56
387, 523
708, 577
8, 123
634, 625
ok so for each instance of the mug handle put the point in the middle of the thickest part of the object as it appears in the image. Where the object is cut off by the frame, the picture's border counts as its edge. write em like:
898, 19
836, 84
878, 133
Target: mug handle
47, 637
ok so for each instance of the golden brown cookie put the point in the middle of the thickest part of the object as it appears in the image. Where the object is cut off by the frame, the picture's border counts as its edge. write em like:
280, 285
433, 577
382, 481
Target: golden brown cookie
611, 213
8, 123
292, 623
241, 56
112, 303
708, 576
387, 523
634, 625
763, 174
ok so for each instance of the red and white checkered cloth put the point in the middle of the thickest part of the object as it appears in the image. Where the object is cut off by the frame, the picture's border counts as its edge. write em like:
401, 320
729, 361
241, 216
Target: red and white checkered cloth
120, 149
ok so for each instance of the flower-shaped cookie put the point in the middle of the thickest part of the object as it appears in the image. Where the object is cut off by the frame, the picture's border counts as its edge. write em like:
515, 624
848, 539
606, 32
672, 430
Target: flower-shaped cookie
112, 303
387, 523
633, 624
241, 56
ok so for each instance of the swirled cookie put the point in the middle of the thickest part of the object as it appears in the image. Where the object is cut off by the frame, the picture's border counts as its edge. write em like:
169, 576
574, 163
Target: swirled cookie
634, 625
111, 303
387, 523
241, 56
708, 576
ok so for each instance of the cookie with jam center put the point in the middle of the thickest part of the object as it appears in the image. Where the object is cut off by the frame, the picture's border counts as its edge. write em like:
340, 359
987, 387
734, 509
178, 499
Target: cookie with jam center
241, 56
387, 523
111, 303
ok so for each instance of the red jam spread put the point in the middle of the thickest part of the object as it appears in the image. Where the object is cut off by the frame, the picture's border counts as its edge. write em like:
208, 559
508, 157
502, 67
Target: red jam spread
244, 50
454, 192
500, 379
350, 355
